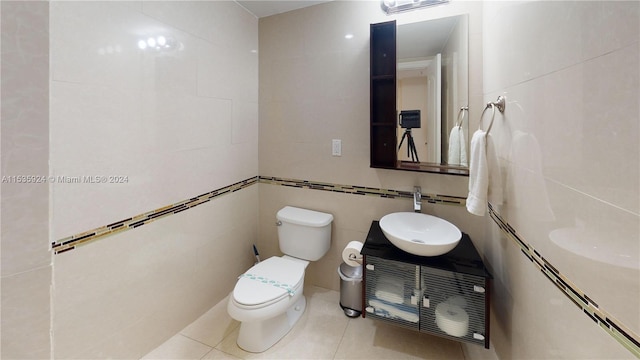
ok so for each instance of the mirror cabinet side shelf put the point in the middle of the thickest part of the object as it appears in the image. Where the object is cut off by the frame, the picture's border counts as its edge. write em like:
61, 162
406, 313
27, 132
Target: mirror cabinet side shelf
383, 95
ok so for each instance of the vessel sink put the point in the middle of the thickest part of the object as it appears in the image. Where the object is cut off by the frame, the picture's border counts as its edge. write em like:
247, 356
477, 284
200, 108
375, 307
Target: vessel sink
420, 234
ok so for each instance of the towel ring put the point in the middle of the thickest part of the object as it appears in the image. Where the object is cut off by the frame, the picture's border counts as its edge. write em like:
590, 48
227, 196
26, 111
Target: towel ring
500, 104
493, 115
460, 118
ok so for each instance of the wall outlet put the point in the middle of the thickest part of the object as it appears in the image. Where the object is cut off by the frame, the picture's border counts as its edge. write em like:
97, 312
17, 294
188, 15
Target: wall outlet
336, 147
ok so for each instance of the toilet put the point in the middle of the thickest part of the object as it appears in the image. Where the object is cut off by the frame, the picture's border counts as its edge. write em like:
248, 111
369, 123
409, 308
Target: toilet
268, 299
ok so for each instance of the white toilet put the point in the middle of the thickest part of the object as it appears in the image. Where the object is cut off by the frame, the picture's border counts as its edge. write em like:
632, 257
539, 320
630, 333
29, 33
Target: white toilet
267, 298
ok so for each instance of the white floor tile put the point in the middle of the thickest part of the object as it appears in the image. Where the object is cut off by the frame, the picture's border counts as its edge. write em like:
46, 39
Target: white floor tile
219, 355
212, 326
323, 332
369, 339
179, 347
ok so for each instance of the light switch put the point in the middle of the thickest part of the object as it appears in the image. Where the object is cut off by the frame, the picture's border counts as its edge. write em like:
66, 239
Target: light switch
336, 147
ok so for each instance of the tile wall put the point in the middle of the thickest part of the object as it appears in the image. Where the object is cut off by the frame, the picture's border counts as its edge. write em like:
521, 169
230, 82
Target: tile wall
121, 296
136, 127
128, 116
569, 152
352, 213
557, 62
25, 256
563, 59
314, 87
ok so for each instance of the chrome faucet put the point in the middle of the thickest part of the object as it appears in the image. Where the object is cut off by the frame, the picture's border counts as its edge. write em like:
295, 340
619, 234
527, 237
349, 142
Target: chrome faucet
417, 199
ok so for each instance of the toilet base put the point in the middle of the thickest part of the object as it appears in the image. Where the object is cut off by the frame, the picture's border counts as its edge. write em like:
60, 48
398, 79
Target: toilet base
258, 336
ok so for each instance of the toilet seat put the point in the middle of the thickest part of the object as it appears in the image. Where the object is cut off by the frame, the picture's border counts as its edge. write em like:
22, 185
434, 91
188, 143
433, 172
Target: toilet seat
268, 282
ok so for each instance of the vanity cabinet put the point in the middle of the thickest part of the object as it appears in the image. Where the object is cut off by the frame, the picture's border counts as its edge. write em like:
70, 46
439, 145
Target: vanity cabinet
445, 295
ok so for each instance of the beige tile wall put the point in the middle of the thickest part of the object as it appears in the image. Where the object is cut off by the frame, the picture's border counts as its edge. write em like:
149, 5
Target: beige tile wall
570, 159
352, 218
558, 63
25, 257
150, 282
313, 88
178, 123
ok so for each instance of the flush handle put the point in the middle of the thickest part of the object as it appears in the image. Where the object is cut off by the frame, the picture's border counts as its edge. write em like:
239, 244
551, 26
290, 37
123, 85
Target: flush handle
278, 223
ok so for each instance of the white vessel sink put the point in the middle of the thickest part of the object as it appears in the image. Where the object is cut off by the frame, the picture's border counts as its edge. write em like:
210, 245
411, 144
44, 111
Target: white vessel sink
420, 234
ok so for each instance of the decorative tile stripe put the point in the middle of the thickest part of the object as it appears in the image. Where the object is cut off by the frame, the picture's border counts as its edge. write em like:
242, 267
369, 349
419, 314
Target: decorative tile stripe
71, 242
612, 326
362, 190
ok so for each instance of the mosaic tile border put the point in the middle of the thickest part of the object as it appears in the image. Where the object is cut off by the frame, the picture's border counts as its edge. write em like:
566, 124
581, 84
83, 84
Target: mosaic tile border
71, 242
612, 326
362, 190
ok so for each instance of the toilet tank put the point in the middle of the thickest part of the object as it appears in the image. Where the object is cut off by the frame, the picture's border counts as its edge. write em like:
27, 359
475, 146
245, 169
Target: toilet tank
304, 234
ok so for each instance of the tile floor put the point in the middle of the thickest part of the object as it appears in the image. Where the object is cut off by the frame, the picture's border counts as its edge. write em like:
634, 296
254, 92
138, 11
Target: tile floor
323, 332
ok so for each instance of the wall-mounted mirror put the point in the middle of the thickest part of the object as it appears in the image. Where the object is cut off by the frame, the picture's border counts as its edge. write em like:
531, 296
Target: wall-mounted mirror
432, 73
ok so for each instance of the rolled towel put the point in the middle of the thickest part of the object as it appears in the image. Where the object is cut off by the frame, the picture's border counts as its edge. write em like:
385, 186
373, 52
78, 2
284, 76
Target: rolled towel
395, 311
452, 319
388, 296
390, 289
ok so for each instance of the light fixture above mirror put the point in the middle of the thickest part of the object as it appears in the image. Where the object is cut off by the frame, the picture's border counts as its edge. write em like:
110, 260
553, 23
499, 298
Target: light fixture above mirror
396, 6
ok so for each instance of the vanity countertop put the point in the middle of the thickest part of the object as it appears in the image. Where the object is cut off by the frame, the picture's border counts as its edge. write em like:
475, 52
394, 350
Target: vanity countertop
464, 258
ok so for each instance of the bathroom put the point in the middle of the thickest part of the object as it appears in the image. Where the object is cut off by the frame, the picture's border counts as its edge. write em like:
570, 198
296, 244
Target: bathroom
240, 111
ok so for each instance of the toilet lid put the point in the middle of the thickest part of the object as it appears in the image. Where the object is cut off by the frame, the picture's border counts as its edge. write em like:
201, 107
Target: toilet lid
268, 280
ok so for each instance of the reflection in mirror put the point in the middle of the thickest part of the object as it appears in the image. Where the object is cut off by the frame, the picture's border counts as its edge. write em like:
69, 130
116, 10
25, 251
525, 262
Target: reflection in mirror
432, 77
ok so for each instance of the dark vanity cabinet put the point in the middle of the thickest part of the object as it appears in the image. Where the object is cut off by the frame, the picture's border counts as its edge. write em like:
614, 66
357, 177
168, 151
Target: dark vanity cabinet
445, 295
383, 95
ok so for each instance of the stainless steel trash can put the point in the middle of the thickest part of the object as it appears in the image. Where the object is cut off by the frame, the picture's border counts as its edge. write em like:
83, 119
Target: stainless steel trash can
350, 289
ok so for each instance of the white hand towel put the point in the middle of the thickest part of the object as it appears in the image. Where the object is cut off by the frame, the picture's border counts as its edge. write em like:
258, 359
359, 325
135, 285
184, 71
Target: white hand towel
484, 174
457, 147
478, 175
464, 161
